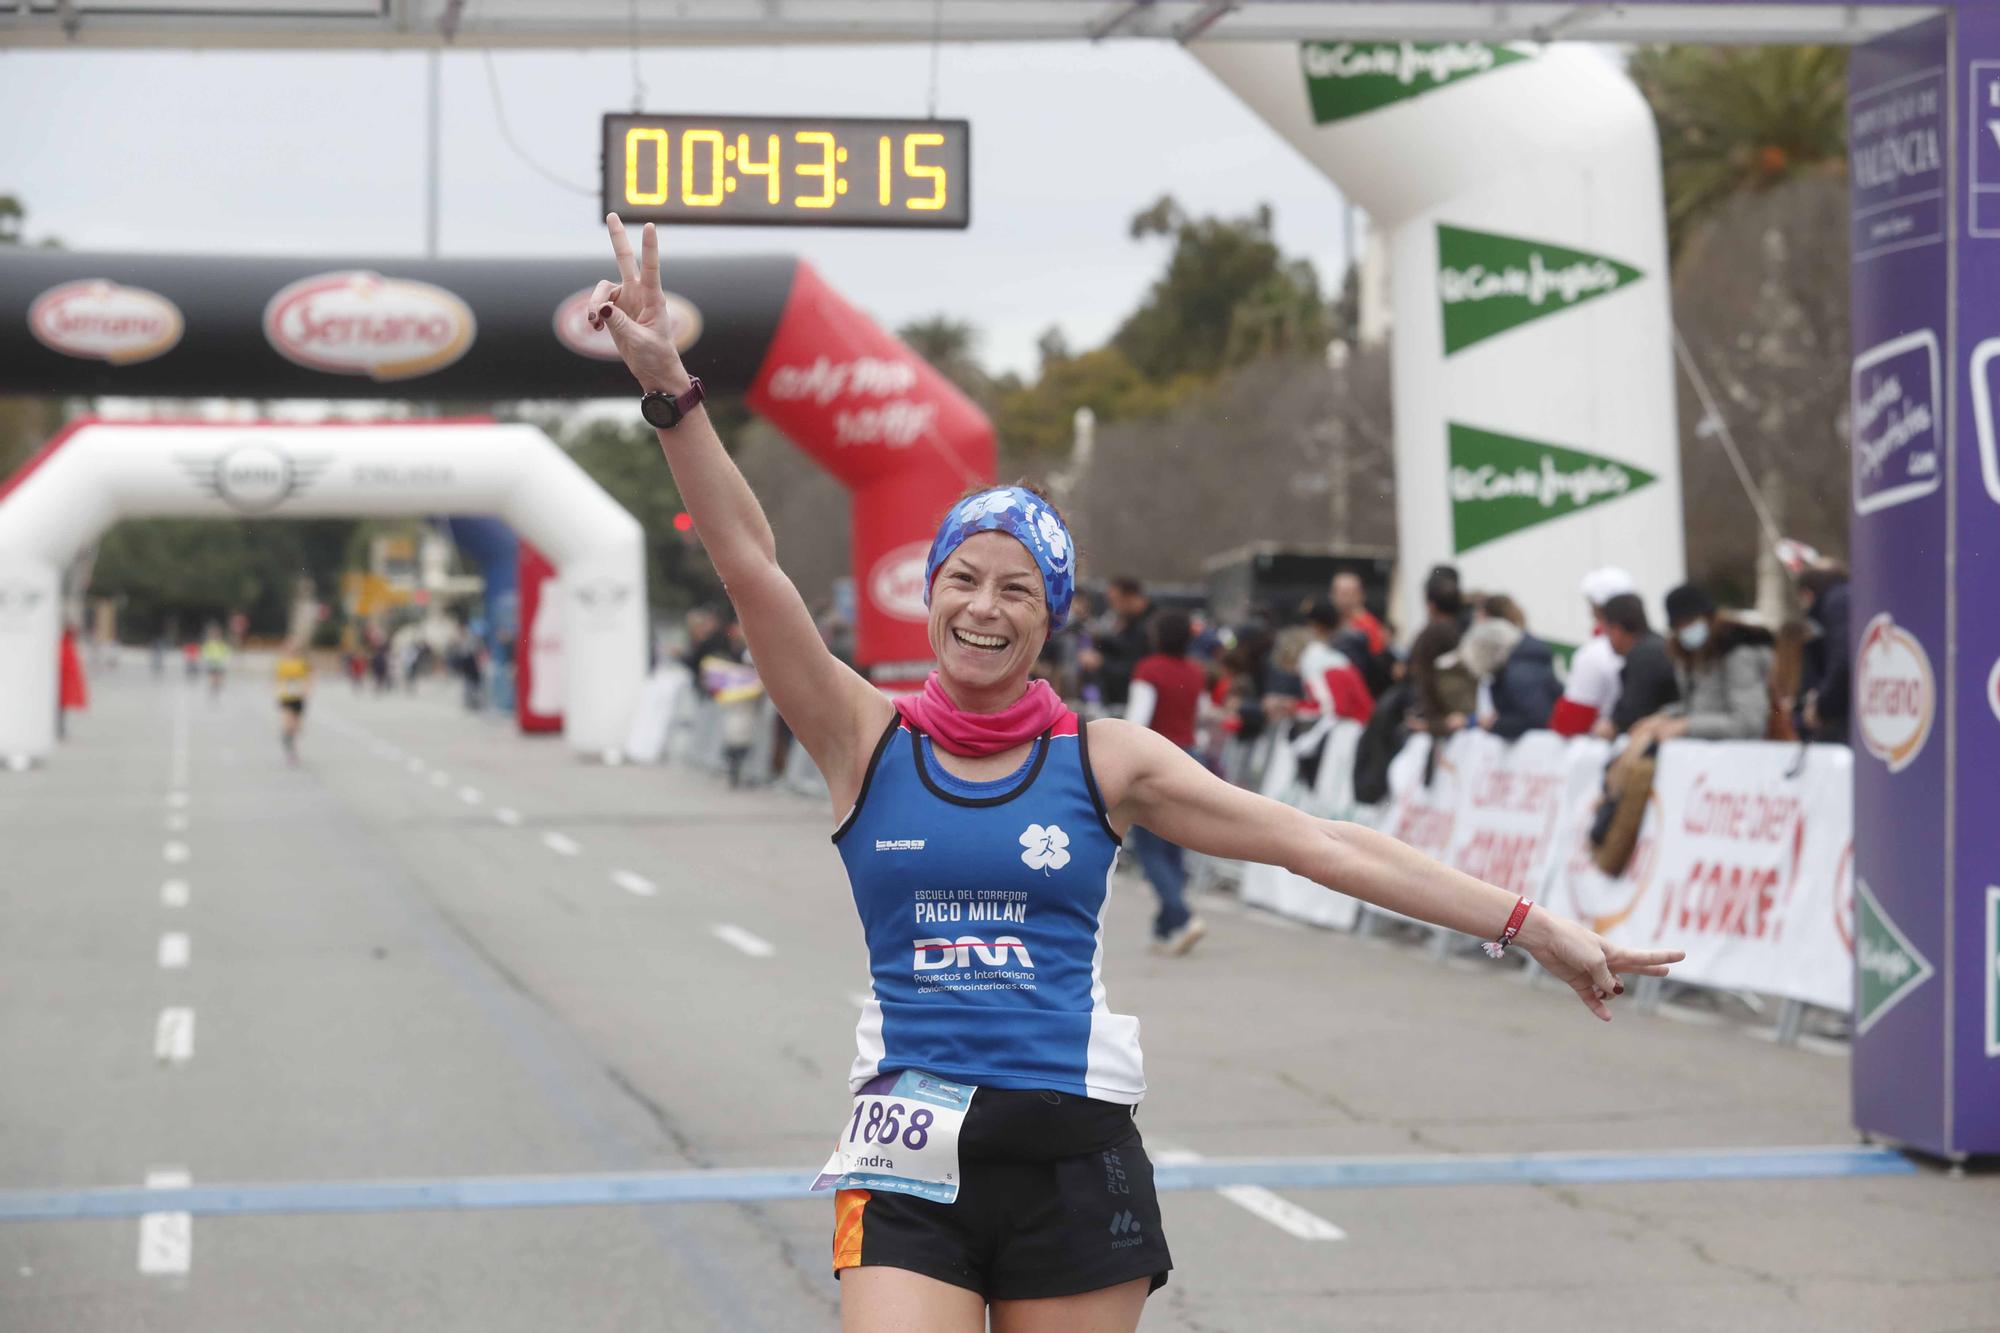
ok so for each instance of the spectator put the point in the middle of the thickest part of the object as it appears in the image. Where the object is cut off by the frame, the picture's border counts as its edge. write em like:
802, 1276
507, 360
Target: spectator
1724, 666
1331, 678
1445, 691
1827, 667
1646, 683
1350, 600
1516, 674
706, 638
1120, 642
1165, 691
1592, 688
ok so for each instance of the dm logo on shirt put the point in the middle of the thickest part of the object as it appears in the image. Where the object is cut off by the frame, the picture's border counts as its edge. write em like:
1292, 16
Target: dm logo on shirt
1046, 849
1895, 693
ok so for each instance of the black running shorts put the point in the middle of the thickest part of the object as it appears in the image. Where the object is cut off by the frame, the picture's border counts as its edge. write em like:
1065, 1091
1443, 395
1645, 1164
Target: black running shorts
1027, 1223
297, 707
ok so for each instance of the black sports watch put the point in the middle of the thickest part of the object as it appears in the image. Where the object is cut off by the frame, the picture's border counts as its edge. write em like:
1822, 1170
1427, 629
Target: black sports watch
665, 411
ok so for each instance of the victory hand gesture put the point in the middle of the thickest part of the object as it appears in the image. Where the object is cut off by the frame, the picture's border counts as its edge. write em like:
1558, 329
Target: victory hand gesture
635, 311
1589, 964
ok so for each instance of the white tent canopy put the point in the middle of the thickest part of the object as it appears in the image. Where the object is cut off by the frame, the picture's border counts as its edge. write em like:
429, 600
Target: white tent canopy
319, 24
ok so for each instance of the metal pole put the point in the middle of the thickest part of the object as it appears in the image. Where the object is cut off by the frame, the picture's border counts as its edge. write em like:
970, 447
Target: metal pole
431, 154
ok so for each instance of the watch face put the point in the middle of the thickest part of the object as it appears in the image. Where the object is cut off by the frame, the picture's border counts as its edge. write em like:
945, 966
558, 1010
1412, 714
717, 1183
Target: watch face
659, 410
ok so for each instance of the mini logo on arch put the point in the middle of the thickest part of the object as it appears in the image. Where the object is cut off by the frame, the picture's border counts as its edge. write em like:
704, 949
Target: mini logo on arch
359, 323
95, 319
572, 326
1895, 693
253, 478
896, 583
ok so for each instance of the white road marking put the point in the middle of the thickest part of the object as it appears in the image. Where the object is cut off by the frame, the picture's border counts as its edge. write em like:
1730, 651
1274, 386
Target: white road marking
173, 1036
174, 893
440, 779
417, 765
166, 1240
511, 818
562, 846
470, 795
1280, 1212
738, 938
634, 883
177, 823
175, 852
177, 799
174, 949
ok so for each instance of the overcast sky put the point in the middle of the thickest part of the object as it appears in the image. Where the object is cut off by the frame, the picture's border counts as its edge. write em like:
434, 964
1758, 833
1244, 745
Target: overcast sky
311, 154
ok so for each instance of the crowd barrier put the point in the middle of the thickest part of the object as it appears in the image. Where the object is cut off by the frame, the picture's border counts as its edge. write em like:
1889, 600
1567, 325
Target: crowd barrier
1745, 858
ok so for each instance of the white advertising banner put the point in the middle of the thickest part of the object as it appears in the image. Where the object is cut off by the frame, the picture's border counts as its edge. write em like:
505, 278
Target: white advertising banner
1331, 796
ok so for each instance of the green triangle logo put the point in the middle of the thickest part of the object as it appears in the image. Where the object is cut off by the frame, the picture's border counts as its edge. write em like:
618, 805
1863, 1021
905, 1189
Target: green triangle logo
1887, 966
1489, 284
1502, 483
1352, 78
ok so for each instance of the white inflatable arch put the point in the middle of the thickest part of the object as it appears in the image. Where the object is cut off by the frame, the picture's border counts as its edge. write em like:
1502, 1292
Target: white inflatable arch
99, 472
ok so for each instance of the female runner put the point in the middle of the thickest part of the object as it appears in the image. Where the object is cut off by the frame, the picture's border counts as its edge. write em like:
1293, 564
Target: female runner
997, 1165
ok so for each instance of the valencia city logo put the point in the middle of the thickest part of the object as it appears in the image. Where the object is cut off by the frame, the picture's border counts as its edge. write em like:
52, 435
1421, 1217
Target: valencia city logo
253, 478
1895, 693
95, 319
359, 323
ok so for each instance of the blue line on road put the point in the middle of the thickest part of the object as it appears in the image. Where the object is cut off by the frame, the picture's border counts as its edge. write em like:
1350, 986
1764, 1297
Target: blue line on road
722, 1186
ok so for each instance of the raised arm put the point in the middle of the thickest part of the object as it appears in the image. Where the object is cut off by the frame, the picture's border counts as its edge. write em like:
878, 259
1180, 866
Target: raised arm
835, 714
1148, 780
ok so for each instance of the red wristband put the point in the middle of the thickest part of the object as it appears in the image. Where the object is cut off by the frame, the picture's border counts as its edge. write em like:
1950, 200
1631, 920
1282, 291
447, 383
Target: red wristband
1494, 948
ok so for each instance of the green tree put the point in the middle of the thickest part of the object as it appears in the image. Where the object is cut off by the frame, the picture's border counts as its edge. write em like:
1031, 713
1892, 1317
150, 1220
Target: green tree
1228, 295
624, 458
25, 422
951, 346
1736, 118
11, 217
187, 572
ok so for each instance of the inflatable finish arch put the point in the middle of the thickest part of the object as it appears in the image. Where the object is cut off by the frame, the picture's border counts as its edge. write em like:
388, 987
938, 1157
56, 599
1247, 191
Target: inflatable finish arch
866, 408
98, 472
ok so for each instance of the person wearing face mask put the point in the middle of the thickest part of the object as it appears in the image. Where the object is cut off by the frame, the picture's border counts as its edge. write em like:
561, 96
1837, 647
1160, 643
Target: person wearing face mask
992, 1158
1724, 668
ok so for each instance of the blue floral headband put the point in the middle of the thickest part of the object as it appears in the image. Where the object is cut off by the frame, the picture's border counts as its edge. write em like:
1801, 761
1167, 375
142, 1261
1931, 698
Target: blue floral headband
1027, 518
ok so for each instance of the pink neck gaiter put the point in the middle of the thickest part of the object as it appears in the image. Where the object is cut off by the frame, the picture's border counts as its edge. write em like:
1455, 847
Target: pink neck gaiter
975, 734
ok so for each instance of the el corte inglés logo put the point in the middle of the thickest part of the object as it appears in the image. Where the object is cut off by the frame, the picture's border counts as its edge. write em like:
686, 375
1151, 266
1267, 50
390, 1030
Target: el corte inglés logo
95, 319
1351, 78
359, 323
1895, 693
1501, 484
572, 326
896, 584
1489, 284
1887, 967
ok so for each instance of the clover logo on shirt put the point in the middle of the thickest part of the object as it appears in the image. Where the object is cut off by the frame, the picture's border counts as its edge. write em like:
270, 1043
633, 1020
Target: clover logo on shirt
1046, 848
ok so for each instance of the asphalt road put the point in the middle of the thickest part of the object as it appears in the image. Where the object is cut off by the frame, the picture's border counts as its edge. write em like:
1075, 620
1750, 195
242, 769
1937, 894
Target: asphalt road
435, 950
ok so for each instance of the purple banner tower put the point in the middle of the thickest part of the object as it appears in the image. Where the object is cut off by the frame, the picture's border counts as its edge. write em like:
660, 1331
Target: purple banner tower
1924, 146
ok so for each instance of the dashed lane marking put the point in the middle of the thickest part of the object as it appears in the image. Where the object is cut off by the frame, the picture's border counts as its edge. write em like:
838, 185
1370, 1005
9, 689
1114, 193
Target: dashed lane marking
742, 1185
176, 852
738, 938
440, 779
173, 1036
174, 893
1280, 1212
166, 1240
511, 818
416, 765
560, 845
177, 823
174, 949
470, 795
634, 883
177, 799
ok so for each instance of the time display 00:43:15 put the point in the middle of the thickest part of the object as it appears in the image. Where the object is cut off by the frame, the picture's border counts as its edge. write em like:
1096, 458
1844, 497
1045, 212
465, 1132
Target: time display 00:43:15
766, 170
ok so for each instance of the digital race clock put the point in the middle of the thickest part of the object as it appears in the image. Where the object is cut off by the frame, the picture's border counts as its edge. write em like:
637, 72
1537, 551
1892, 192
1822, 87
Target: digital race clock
786, 171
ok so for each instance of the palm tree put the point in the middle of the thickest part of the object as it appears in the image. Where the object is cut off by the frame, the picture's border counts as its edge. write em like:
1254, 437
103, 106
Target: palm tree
1736, 118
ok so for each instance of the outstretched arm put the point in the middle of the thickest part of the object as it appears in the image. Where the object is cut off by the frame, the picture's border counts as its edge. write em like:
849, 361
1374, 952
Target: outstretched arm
835, 714
1148, 780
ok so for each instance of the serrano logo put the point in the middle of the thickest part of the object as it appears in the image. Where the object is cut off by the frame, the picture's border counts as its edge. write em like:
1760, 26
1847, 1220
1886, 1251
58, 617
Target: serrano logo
97, 320
359, 323
896, 583
572, 326
1895, 692
960, 952
1993, 689
253, 478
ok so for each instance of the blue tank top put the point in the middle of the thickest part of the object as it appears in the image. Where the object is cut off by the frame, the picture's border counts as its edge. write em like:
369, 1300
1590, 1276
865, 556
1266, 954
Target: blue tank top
983, 904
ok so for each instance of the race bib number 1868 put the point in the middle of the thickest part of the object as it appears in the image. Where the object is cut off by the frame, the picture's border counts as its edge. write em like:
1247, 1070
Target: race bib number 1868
904, 1140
